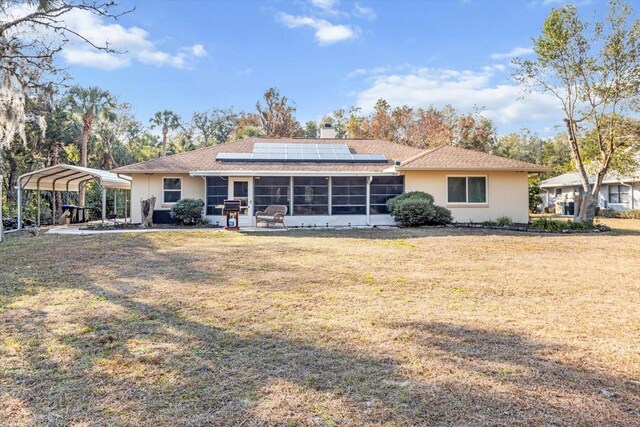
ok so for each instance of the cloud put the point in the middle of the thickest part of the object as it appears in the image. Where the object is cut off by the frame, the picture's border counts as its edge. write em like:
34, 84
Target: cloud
517, 51
245, 72
465, 90
326, 5
198, 50
132, 43
363, 12
326, 33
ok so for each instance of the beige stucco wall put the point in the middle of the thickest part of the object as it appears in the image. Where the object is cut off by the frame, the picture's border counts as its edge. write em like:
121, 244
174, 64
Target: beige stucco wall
144, 186
508, 194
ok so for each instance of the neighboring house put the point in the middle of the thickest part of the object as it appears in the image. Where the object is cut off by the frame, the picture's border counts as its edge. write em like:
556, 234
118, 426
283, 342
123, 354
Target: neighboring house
619, 192
332, 181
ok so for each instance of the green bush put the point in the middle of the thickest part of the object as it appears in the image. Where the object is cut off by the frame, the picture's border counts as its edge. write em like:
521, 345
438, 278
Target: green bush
556, 225
417, 208
187, 211
612, 213
549, 224
608, 213
504, 220
392, 203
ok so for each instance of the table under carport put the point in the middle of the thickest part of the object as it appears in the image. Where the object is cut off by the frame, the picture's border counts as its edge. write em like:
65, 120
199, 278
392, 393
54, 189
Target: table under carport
69, 178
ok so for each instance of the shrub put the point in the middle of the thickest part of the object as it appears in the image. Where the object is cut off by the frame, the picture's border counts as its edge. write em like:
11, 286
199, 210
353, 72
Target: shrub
555, 225
612, 213
608, 213
392, 203
187, 211
416, 208
630, 214
504, 220
549, 224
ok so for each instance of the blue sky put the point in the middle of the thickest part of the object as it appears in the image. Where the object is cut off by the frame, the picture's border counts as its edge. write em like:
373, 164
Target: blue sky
322, 54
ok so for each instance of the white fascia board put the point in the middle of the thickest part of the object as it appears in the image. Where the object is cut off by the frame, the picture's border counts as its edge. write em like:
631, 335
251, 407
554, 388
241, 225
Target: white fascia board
289, 173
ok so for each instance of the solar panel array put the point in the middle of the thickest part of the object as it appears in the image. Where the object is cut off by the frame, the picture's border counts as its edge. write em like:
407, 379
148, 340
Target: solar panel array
330, 153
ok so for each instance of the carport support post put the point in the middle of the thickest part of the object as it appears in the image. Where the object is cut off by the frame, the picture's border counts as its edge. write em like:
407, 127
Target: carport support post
53, 196
104, 204
38, 199
19, 205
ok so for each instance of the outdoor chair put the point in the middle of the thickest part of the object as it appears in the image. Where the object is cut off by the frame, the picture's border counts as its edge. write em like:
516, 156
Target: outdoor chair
272, 214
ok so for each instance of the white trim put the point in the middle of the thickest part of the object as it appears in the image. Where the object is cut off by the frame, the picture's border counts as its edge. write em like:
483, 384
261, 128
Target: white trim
241, 173
486, 190
163, 189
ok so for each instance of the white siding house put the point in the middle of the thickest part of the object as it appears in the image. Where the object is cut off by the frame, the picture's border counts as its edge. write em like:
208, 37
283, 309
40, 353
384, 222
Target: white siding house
619, 192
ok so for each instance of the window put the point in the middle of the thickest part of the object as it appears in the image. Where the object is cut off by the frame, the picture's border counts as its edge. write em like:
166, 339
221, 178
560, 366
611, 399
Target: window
467, 189
171, 190
383, 188
559, 192
217, 191
311, 195
618, 194
348, 196
271, 190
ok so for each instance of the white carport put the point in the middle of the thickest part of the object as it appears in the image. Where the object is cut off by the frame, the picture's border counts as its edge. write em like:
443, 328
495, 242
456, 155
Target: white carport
69, 178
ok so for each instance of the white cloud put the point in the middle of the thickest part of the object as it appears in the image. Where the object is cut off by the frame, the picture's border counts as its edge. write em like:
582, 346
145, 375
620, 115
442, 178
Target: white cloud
245, 72
133, 43
363, 11
198, 50
465, 90
517, 51
326, 5
326, 33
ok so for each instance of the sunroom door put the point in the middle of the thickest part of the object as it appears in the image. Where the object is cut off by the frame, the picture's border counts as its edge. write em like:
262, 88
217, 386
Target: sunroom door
242, 189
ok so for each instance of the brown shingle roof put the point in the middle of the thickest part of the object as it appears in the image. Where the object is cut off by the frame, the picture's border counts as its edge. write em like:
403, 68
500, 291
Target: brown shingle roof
447, 157
440, 158
204, 159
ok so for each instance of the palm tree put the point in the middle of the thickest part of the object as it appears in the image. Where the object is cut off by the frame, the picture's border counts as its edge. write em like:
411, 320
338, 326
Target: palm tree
167, 120
86, 104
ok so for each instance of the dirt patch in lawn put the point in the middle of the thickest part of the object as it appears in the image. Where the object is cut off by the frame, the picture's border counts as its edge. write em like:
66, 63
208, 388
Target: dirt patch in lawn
359, 327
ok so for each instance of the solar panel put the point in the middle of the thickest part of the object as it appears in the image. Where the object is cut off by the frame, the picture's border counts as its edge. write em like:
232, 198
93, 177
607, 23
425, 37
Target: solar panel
331, 153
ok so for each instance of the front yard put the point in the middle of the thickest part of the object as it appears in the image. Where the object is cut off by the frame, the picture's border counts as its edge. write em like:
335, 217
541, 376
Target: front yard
386, 327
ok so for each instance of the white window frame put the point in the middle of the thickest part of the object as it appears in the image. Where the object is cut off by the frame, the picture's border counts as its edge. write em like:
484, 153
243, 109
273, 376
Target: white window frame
629, 193
163, 189
486, 190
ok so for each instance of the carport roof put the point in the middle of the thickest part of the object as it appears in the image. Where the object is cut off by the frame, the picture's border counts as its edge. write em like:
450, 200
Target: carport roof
69, 177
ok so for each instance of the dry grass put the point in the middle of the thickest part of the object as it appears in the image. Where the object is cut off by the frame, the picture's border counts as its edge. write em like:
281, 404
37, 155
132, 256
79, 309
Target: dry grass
423, 327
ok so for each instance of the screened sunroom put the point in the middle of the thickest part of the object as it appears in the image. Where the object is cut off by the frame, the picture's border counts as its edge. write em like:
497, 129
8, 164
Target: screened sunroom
310, 199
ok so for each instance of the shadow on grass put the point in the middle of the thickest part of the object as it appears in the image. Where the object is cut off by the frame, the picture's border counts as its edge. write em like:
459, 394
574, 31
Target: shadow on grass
195, 373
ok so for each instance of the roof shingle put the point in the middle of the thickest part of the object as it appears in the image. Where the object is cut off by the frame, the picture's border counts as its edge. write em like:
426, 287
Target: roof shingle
447, 157
411, 158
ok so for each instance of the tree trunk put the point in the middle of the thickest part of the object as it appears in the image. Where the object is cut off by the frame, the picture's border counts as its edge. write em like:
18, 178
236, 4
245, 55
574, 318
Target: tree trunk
165, 130
146, 208
585, 211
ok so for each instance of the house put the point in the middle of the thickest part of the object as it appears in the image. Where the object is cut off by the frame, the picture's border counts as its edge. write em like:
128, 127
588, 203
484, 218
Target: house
332, 181
619, 192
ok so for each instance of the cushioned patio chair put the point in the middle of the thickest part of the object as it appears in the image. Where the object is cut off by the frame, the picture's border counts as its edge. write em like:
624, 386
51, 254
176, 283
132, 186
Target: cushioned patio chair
272, 214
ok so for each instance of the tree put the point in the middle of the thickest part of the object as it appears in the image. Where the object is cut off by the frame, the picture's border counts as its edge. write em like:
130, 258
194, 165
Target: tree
32, 34
216, 126
523, 146
592, 70
87, 104
277, 116
311, 129
167, 120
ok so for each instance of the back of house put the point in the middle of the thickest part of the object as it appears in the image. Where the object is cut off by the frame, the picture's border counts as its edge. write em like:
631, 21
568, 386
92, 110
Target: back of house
329, 181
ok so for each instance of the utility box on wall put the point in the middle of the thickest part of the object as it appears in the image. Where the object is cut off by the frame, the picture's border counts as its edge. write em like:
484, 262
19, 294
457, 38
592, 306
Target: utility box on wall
232, 212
